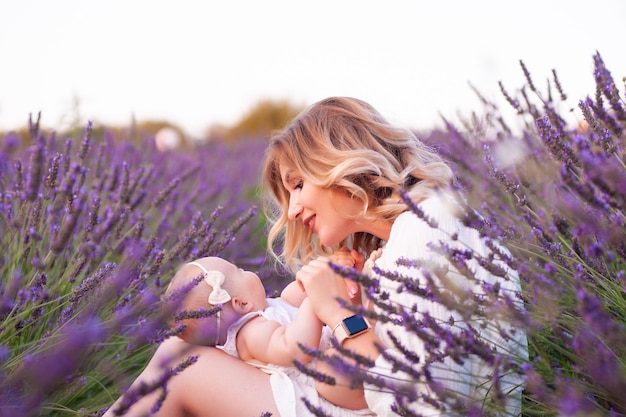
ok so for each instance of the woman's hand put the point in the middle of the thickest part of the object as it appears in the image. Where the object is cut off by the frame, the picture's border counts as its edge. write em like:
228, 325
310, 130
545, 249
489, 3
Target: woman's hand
323, 287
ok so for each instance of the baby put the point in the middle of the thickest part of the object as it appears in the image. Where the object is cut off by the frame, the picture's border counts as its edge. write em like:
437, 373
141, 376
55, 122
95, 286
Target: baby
265, 332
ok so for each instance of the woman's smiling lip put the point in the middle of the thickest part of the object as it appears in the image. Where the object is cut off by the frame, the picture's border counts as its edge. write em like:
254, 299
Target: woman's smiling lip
309, 222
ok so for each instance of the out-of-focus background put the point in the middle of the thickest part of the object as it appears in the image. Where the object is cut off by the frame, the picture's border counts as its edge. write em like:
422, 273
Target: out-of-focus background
203, 65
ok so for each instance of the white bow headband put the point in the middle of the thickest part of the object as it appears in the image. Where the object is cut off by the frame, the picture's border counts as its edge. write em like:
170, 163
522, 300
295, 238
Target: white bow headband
215, 279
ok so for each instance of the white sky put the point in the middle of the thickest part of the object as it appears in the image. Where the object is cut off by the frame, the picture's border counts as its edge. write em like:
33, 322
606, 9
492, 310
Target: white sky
197, 63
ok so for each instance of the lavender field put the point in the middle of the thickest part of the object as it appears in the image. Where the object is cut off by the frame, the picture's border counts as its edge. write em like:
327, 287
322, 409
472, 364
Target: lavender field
93, 227
92, 230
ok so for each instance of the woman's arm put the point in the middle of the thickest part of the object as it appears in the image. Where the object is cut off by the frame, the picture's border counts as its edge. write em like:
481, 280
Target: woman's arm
269, 342
324, 287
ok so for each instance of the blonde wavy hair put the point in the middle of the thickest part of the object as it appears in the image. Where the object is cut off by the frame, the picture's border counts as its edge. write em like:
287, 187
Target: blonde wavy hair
346, 144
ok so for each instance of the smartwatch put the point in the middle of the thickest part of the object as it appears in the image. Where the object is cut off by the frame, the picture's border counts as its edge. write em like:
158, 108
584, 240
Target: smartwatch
350, 327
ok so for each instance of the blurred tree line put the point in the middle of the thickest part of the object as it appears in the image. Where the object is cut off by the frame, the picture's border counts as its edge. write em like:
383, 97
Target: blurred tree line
258, 122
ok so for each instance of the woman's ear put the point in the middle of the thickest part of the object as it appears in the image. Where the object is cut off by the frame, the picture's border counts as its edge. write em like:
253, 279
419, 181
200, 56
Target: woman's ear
241, 305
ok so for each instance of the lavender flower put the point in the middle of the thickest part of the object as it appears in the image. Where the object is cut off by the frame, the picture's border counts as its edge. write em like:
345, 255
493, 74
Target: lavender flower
566, 241
86, 257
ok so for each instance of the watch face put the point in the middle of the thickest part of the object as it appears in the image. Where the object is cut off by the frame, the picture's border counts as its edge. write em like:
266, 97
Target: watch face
355, 324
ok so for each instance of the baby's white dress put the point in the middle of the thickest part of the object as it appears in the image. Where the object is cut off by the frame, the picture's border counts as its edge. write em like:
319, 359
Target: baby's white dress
289, 385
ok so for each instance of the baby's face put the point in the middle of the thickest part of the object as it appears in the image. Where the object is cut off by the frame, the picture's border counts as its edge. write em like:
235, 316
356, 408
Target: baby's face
240, 283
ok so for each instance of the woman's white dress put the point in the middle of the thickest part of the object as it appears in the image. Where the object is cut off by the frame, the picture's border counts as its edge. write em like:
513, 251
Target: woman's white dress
410, 238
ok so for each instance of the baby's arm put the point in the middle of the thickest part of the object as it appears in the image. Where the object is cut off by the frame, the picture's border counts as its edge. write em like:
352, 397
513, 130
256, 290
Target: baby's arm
293, 294
269, 342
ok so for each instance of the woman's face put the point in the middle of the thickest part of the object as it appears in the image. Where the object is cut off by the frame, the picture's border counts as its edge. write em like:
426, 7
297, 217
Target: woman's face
327, 212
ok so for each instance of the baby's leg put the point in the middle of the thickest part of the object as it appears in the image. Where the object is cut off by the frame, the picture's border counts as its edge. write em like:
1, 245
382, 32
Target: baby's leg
216, 385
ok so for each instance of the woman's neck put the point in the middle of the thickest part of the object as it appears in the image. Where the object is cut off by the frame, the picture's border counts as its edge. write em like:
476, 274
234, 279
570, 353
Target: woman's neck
380, 228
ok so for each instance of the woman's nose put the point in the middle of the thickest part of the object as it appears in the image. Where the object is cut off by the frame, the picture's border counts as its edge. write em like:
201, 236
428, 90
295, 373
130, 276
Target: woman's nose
294, 209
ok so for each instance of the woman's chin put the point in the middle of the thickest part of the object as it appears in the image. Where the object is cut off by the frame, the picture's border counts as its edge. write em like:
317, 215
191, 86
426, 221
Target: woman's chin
328, 241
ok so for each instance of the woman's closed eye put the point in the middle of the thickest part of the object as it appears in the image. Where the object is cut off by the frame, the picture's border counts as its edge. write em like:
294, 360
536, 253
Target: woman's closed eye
298, 185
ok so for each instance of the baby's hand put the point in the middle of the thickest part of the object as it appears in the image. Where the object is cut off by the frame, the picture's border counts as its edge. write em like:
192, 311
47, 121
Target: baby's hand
343, 258
352, 259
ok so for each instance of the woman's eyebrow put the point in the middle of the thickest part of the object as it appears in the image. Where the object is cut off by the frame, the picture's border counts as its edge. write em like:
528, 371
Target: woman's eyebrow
288, 178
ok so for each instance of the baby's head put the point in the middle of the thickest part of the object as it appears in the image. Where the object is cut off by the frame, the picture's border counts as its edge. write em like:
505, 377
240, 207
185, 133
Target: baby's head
237, 291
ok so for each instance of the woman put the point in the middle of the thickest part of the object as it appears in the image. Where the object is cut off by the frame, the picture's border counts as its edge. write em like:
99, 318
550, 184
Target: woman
336, 175
333, 179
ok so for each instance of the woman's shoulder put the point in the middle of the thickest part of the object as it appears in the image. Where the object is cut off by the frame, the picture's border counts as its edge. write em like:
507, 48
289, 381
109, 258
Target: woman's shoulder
436, 211
412, 231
